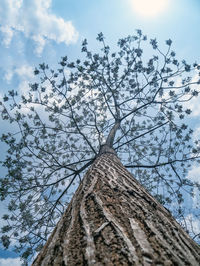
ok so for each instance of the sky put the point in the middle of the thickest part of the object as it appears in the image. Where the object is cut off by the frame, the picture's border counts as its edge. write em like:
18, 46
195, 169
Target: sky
36, 31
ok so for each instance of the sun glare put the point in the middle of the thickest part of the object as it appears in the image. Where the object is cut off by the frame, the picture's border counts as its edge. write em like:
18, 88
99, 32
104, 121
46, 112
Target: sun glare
149, 8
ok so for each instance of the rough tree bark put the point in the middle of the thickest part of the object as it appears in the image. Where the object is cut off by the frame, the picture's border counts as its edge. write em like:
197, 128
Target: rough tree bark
112, 220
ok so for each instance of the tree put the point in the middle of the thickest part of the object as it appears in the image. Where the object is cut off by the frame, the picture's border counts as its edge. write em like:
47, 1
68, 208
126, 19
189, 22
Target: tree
117, 100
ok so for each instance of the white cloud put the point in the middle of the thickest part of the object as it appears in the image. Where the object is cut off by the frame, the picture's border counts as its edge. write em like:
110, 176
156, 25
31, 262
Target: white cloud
196, 199
7, 35
10, 261
24, 87
196, 134
194, 173
194, 105
34, 19
40, 43
8, 75
193, 224
24, 72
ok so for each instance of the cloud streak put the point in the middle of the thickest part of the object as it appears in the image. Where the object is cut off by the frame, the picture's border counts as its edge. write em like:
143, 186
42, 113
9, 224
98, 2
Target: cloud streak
10, 261
35, 21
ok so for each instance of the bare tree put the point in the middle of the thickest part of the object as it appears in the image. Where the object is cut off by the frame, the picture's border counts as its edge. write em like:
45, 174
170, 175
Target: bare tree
121, 101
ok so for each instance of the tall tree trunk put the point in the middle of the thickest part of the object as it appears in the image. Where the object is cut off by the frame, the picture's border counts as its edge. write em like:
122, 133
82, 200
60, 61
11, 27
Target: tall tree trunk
112, 220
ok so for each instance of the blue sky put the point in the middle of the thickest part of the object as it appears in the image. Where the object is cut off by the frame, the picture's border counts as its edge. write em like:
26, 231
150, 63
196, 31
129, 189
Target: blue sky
36, 31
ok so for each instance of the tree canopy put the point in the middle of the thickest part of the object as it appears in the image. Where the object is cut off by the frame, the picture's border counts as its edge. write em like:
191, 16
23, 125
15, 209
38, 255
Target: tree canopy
126, 100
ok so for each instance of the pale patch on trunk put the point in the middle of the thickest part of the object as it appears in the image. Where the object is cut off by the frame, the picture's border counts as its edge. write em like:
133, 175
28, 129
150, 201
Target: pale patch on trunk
141, 238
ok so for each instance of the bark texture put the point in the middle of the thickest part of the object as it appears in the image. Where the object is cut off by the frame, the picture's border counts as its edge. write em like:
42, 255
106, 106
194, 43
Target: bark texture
112, 220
